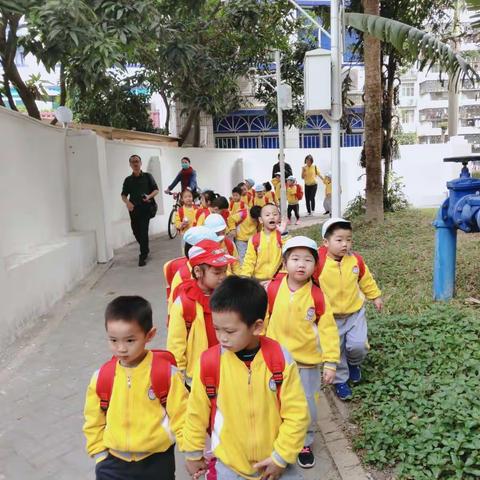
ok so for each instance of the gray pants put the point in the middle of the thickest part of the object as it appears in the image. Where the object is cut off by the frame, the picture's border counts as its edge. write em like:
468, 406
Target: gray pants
311, 381
220, 471
353, 343
327, 203
242, 249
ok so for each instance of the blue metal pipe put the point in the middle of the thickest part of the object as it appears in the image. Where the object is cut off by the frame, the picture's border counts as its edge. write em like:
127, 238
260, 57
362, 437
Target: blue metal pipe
445, 259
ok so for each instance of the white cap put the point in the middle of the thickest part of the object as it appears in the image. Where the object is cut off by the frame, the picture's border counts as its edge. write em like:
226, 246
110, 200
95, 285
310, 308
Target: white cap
299, 241
291, 177
259, 187
328, 174
331, 222
215, 222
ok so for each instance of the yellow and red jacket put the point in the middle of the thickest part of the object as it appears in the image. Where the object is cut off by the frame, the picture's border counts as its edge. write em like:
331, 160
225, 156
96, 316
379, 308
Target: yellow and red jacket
294, 194
183, 274
229, 246
263, 262
122, 430
200, 216
234, 207
249, 425
340, 282
270, 197
243, 224
247, 199
259, 201
185, 213
293, 323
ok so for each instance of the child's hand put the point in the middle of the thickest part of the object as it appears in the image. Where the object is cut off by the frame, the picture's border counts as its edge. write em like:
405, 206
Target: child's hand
271, 471
328, 376
378, 302
283, 226
196, 468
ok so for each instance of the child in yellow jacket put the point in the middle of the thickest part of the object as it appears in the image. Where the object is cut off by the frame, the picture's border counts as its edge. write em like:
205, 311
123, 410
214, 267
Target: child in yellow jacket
327, 201
301, 319
185, 215
244, 224
130, 432
347, 282
259, 418
294, 195
264, 252
260, 198
236, 203
190, 331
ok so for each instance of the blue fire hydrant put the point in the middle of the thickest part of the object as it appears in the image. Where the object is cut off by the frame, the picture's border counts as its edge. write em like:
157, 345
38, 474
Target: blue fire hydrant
461, 210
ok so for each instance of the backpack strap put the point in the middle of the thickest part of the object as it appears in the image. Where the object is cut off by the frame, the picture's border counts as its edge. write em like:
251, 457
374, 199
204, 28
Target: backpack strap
210, 377
229, 245
105, 378
189, 310
273, 355
181, 213
256, 241
279, 238
361, 265
185, 273
319, 302
322, 258
272, 290
160, 374
230, 205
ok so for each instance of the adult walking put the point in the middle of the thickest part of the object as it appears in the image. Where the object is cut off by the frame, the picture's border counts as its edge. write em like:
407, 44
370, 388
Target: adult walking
187, 177
138, 194
276, 169
310, 172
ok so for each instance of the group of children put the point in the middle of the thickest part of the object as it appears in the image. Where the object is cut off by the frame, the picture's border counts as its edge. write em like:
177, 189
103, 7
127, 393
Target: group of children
250, 339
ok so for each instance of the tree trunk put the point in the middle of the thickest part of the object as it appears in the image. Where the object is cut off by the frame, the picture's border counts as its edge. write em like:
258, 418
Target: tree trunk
188, 126
2, 103
167, 108
373, 119
8, 93
196, 131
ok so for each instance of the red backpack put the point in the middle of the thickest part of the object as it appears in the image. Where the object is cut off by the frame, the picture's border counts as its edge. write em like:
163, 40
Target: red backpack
317, 295
210, 370
232, 203
299, 192
256, 240
170, 269
322, 258
159, 376
230, 246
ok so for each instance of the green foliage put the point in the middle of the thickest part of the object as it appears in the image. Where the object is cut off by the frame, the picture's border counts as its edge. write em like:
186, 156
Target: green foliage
117, 106
418, 408
355, 207
407, 138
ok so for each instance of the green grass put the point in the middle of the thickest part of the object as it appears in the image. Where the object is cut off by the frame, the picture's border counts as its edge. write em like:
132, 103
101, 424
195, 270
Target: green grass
418, 408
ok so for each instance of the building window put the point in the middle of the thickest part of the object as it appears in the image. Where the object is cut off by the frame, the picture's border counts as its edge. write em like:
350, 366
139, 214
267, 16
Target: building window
407, 116
408, 90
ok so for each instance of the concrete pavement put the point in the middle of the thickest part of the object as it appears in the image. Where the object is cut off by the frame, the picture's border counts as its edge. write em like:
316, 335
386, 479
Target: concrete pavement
44, 376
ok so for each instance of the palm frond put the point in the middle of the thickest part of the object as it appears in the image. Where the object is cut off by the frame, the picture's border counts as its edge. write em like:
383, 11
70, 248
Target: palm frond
474, 7
414, 43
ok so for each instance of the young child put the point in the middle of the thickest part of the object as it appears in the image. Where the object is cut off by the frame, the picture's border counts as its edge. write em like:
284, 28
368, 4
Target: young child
185, 215
301, 319
257, 413
276, 182
220, 206
294, 195
206, 198
327, 201
259, 198
217, 224
131, 432
236, 203
190, 331
250, 184
245, 224
246, 196
264, 251
347, 281
270, 196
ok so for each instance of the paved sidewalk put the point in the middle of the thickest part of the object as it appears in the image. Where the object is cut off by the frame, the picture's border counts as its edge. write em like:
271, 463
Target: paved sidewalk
44, 376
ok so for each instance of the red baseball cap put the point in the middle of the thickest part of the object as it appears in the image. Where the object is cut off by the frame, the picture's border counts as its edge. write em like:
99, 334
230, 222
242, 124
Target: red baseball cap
210, 253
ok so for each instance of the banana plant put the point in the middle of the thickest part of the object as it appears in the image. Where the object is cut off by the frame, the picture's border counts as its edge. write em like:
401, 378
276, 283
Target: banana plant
474, 7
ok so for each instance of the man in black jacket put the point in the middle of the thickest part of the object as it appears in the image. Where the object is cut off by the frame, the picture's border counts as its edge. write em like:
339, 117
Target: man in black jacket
138, 192
276, 168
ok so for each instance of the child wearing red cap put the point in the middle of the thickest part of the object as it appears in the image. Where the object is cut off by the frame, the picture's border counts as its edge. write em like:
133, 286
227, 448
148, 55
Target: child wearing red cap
190, 330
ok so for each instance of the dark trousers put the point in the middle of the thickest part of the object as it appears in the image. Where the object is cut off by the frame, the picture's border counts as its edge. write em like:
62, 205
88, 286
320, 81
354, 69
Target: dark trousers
294, 209
310, 192
140, 220
159, 466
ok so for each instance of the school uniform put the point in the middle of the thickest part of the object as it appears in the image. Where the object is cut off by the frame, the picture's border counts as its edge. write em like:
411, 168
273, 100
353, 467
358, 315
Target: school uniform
294, 194
245, 227
200, 216
260, 202
235, 207
347, 293
327, 202
136, 435
310, 341
270, 197
250, 430
185, 213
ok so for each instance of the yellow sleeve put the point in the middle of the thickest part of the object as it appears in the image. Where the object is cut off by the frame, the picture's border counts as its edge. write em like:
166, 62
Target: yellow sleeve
236, 267
177, 335
176, 405
197, 418
295, 418
329, 337
95, 419
249, 261
231, 226
177, 221
369, 286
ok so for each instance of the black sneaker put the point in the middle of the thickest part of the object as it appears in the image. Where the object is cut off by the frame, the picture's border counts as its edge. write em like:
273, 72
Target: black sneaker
306, 458
141, 261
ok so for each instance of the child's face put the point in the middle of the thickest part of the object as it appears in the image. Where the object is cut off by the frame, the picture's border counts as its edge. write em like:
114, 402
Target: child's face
236, 197
187, 199
300, 264
244, 189
235, 335
339, 243
259, 194
209, 278
127, 341
290, 183
270, 217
